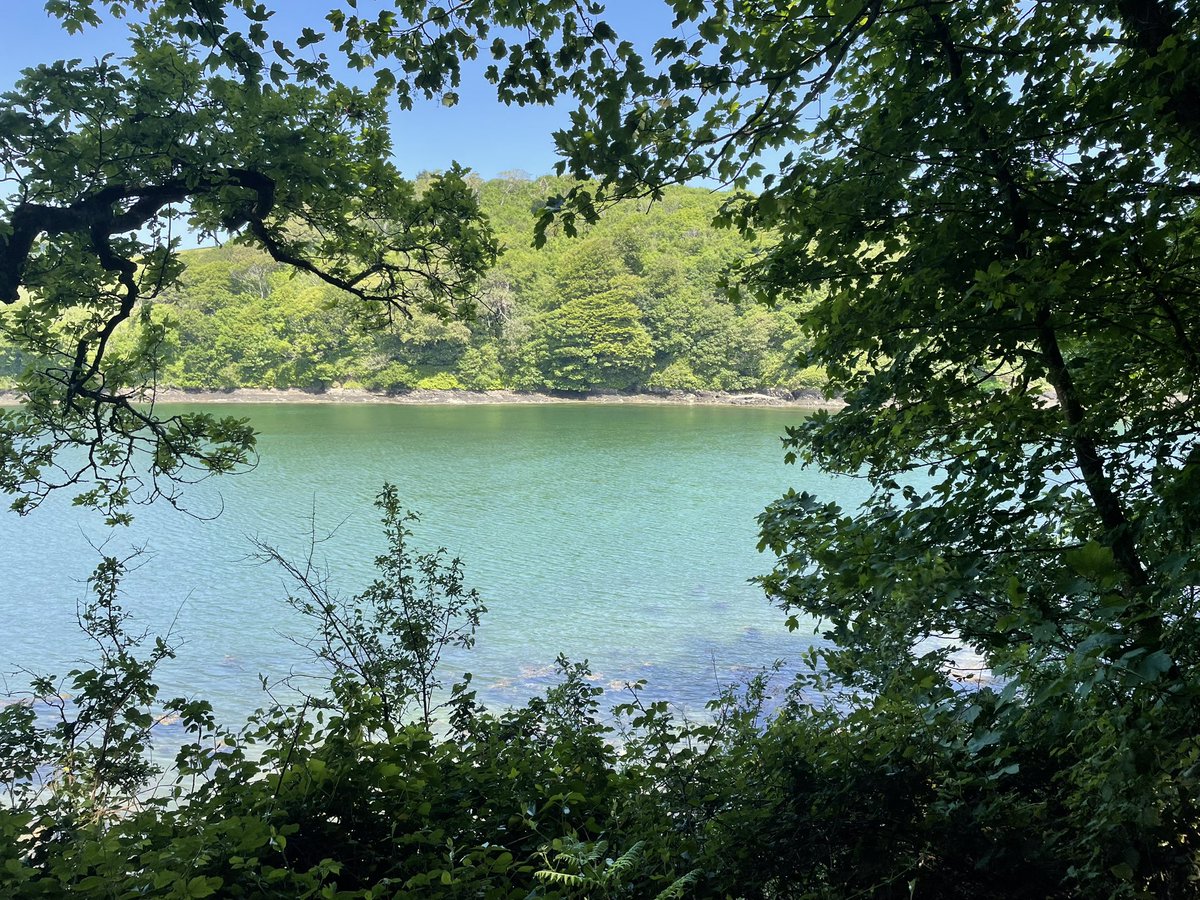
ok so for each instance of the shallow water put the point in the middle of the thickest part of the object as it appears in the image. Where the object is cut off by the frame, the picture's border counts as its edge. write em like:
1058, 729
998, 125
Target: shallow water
623, 535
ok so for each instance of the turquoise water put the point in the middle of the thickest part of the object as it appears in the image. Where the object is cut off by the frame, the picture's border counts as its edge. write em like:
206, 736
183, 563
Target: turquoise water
623, 535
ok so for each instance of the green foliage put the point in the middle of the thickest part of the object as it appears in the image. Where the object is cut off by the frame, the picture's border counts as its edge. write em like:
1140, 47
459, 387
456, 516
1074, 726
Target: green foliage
104, 162
996, 205
583, 870
480, 369
442, 381
918, 789
384, 646
93, 753
678, 376
592, 341
393, 377
279, 155
985, 215
238, 319
342, 795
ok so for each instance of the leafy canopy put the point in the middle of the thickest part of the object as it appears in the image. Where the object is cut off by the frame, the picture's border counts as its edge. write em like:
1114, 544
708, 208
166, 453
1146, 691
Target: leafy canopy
106, 163
1001, 201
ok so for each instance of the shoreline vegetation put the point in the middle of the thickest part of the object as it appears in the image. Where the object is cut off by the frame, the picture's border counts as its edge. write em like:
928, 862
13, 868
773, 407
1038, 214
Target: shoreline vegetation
943, 212
633, 304
770, 397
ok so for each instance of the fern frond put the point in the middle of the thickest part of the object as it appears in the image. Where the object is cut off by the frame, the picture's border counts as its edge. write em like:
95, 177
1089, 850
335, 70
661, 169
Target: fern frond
625, 862
675, 890
563, 879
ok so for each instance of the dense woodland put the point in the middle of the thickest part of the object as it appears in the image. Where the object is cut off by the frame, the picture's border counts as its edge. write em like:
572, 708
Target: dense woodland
633, 304
983, 220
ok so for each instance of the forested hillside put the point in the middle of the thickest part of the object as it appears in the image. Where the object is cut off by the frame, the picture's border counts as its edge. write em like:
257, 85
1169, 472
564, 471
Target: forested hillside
633, 303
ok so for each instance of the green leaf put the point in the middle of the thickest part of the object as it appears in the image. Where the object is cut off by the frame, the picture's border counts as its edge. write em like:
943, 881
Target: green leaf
1093, 561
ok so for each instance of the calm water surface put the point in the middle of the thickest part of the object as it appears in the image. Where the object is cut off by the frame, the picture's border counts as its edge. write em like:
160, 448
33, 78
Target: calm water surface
623, 535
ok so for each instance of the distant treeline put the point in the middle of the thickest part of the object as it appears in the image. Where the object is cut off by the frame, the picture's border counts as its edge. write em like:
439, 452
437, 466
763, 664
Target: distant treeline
632, 303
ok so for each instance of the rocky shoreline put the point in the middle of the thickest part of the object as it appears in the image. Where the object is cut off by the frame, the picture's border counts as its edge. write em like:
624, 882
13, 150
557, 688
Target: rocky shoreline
803, 399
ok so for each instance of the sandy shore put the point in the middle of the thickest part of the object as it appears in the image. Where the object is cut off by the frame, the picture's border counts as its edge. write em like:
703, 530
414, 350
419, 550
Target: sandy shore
809, 399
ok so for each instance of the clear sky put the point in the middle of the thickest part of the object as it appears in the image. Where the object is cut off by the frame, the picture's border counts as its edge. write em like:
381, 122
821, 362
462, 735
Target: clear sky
479, 132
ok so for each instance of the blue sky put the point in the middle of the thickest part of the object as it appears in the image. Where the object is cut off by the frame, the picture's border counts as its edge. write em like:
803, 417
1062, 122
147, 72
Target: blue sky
479, 132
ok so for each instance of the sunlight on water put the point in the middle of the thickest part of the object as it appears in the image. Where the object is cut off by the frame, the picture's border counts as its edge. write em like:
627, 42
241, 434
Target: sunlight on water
623, 535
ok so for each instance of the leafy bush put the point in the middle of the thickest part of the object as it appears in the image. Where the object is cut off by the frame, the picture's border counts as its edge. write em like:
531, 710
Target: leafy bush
480, 369
341, 794
392, 378
385, 783
442, 381
678, 376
